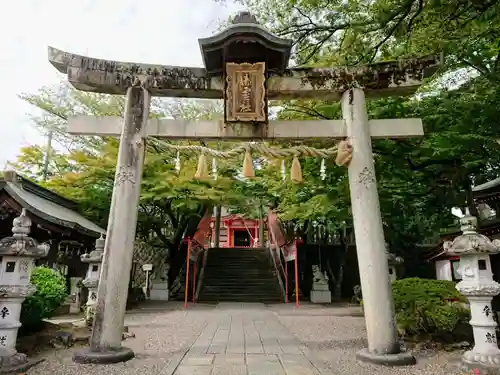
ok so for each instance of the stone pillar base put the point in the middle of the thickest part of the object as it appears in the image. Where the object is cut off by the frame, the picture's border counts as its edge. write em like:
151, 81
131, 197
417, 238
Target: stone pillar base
399, 359
321, 296
17, 363
487, 364
105, 357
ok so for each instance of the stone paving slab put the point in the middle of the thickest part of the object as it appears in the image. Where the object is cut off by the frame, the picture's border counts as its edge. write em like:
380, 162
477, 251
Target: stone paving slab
246, 339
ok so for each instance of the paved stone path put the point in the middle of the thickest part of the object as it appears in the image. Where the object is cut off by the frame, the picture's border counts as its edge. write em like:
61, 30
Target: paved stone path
249, 339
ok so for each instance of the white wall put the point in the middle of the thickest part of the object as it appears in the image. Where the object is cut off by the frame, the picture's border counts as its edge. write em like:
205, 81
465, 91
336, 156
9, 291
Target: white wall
443, 270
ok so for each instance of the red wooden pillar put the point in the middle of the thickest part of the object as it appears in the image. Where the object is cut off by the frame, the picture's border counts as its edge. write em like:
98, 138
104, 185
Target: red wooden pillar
229, 235
187, 274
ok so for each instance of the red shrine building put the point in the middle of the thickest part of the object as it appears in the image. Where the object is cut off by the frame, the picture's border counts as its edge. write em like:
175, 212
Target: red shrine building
236, 231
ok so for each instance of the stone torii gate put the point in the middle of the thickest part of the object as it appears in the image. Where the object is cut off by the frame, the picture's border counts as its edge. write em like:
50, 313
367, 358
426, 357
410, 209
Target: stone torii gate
246, 66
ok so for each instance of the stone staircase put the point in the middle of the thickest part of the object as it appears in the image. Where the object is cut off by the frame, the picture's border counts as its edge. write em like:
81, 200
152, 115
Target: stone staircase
240, 275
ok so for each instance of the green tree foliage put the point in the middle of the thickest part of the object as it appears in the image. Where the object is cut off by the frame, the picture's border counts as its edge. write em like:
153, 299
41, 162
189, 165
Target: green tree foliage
83, 168
420, 180
429, 307
353, 31
49, 295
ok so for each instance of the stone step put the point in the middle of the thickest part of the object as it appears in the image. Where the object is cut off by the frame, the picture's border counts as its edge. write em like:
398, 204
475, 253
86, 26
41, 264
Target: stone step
240, 275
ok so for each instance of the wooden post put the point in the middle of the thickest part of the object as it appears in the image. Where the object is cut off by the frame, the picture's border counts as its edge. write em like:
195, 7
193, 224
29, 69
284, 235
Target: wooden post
194, 281
217, 226
261, 226
286, 280
187, 274
296, 274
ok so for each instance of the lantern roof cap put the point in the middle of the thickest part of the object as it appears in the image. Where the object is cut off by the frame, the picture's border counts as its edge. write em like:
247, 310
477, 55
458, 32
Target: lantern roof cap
470, 242
20, 243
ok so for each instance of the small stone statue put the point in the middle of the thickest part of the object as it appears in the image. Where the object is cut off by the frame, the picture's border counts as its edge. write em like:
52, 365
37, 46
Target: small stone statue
320, 290
318, 276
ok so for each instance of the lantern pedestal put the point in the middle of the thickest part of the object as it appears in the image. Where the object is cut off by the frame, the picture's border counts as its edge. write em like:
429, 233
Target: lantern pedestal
485, 354
91, 281
479, 287
17, 254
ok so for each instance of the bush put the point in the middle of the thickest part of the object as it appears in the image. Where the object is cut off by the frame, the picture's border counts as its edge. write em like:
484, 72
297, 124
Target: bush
50, 294
429, 307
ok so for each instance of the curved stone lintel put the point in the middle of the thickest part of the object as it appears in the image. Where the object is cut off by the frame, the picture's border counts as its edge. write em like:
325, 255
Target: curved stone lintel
113, 77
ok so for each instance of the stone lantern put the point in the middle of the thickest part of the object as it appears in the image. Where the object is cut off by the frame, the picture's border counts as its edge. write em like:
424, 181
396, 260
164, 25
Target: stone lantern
394, 262
91, 281
17, 254
479, 287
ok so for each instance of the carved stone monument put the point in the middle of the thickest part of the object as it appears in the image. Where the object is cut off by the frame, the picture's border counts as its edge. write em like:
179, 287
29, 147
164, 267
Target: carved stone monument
159, 286
247, 66
74, 294
479, 287
91, 281
320, 292
394, 261
17, 261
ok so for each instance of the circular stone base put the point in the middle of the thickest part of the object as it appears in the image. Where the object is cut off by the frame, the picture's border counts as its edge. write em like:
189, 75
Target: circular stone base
487, 364
104, 357
400, 359
16, 367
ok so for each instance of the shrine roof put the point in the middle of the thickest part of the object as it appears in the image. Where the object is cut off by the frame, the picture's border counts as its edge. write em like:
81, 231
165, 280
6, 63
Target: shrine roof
486, 190
47, 205
239, 39
401, 77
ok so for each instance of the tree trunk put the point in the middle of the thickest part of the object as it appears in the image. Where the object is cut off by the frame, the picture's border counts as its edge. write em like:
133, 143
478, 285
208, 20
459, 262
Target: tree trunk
337, 292
470, 199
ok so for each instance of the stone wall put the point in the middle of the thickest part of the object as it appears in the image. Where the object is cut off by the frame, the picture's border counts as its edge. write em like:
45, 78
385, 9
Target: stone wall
144, 254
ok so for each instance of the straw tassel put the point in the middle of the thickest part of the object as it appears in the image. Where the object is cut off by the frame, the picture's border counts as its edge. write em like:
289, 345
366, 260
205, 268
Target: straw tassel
296, 171
248, 171
201, 171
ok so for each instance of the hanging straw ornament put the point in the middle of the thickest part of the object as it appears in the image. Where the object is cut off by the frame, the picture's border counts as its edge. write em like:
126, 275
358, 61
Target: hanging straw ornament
214, 168
283, 171
322, 170
201, 170
344, 153
178, 162
296, 171
248, 171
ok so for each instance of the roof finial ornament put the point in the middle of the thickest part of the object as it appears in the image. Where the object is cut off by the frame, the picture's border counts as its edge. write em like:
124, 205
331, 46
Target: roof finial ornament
21, 225
245, 17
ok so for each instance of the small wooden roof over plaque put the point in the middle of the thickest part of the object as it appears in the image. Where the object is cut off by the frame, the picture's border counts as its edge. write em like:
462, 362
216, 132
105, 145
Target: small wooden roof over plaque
245, 40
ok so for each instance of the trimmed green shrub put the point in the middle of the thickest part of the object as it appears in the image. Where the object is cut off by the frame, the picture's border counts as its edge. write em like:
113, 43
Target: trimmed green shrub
50, 294
428, 307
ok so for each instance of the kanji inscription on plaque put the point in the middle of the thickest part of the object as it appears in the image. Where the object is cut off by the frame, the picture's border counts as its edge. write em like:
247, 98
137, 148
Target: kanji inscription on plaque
245, 94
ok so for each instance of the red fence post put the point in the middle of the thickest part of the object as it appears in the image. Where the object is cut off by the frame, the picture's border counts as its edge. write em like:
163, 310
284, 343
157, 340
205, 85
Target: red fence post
286, 281
194, 282
296, 274
187, 274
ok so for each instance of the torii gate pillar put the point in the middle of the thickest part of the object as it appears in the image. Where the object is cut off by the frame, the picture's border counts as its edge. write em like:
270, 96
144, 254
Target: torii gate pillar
383, 344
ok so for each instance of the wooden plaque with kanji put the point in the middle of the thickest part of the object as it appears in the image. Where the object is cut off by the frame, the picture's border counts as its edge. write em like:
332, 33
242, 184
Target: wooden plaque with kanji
245, 94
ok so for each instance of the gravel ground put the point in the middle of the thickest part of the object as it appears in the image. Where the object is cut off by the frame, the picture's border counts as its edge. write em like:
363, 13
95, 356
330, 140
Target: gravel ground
334, 338
331, 334
158, 337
